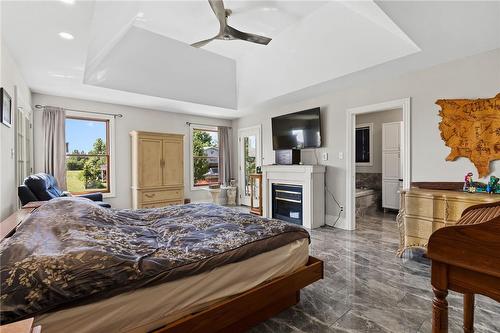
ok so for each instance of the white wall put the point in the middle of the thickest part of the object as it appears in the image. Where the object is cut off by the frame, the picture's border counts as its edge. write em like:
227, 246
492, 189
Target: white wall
472, 77
377, 119
133, 119
11, 79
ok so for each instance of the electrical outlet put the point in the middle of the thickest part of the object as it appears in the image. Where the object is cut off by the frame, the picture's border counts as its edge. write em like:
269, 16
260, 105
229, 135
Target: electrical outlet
341, 208
341, 155
325, 156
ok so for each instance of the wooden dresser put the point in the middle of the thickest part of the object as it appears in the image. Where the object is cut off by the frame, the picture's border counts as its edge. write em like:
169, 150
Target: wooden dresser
424, 211
157, 169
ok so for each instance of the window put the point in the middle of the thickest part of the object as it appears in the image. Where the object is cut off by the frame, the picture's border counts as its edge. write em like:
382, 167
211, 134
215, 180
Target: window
364, 144
88, 153
204, 156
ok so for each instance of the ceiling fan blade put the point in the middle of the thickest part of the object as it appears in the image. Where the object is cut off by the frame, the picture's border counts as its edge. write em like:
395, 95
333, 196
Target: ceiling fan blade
220, 12
202, 43
248, 36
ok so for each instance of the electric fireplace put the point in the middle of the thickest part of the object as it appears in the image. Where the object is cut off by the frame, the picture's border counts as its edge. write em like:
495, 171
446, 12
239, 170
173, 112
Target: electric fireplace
287, 202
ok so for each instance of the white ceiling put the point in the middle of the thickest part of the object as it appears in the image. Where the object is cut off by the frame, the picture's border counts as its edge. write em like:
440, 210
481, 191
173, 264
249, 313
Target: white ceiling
125, 55
192, 21
441, 31
148, 63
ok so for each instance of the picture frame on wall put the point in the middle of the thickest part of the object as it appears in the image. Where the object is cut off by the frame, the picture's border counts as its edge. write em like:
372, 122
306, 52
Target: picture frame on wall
5, 108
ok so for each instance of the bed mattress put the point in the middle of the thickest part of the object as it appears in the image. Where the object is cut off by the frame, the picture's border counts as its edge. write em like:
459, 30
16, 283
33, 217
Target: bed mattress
147, 309
71, 252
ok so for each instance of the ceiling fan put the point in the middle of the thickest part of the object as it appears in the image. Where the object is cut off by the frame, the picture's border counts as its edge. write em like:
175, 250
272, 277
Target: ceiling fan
227, 32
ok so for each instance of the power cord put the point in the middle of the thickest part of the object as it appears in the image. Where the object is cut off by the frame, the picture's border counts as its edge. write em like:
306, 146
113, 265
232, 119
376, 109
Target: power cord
338, 204
327, 190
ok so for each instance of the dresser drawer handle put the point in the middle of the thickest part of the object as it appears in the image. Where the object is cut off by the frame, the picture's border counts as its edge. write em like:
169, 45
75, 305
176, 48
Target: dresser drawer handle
149, 195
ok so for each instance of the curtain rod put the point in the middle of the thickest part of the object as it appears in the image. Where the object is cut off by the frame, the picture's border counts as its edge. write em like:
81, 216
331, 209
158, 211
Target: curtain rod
188, 123
119, 115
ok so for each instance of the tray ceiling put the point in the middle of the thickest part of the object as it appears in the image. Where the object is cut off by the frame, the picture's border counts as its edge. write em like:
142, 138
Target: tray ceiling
138, 53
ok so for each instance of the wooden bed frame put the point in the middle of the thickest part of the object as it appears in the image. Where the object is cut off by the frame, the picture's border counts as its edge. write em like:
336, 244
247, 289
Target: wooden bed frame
234, 314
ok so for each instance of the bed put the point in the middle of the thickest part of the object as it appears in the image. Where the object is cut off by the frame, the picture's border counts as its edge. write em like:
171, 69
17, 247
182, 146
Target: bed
78, 267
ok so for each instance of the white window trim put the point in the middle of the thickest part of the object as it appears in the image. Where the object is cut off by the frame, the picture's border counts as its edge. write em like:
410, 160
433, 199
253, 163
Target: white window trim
192, 127
111, 145
370, 130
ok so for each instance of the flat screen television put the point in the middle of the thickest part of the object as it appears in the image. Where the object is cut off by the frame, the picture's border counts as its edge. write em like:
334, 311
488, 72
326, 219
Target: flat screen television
297, 130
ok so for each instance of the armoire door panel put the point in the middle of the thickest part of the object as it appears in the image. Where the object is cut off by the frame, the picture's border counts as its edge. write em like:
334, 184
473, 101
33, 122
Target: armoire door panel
391, 165
390, 194
173, 170
391, 136
150, 155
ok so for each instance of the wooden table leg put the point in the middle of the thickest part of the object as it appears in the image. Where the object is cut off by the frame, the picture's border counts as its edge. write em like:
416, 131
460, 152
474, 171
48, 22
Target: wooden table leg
468, 313
439, 311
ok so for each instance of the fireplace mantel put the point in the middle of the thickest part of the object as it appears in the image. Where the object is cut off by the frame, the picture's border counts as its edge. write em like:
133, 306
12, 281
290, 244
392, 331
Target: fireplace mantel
312, 179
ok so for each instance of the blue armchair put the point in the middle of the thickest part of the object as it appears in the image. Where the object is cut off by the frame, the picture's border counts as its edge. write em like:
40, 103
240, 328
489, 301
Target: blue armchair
43, 187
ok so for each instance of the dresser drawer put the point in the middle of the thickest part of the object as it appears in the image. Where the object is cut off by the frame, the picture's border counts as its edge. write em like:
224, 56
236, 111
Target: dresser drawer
160, 204
161, 195
421, 227
456, 208
432, 208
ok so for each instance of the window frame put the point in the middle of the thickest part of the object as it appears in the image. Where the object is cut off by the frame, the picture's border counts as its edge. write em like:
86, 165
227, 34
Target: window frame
110, 192
192, 128
370, 135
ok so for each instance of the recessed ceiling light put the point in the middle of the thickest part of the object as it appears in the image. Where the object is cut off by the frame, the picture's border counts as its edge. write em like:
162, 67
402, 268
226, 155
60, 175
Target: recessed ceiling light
66, 35
269, 9
69, 2
62, 76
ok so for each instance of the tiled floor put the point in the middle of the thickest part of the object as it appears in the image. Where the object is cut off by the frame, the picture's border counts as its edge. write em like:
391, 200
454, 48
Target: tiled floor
368, 289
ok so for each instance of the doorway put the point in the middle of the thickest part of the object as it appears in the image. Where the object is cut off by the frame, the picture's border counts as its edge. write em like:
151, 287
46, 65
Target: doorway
23, 140
403, 153
249, 158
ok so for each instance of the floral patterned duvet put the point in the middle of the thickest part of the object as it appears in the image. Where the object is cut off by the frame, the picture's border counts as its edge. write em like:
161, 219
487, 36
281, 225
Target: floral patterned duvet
70, 251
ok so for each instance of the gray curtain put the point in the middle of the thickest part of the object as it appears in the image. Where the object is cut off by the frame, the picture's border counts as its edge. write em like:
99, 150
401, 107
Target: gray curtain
54, 142
224, 155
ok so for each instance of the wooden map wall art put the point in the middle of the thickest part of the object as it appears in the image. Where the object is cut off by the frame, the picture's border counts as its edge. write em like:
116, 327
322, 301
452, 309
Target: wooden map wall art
471, 128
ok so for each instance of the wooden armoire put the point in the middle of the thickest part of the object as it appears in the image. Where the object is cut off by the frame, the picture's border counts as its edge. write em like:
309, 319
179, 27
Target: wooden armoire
157, 169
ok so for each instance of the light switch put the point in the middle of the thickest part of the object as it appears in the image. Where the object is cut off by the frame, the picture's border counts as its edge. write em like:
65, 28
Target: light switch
325, 156
341, 155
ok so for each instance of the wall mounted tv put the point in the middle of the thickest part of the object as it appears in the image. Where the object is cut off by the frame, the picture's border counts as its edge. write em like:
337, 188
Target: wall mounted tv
297, 130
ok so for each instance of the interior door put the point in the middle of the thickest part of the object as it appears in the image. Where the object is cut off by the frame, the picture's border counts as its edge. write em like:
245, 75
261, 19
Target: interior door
173, 171
24, 144
150, 155
20, 146
250, 157
28, 130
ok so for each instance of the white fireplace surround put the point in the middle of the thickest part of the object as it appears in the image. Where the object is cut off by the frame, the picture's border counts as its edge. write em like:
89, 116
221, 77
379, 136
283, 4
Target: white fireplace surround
312, 179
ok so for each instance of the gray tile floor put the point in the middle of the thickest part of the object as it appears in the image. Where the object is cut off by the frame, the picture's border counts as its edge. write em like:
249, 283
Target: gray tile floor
368, 289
